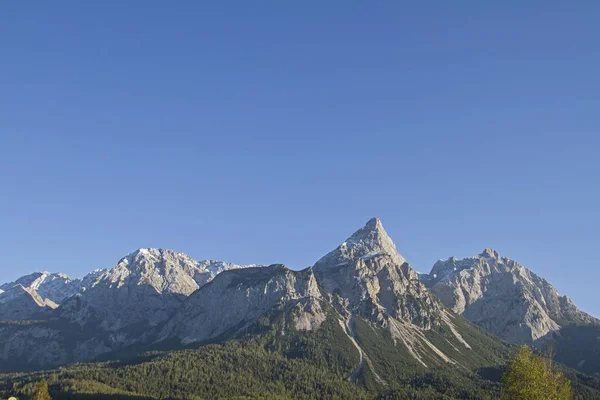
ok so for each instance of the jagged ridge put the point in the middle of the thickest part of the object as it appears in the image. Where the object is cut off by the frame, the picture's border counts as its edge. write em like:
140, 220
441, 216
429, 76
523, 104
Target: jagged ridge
503, 297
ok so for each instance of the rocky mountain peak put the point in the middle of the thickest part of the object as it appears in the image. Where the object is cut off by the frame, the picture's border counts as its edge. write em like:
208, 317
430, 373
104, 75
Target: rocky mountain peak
163, 270
53, 286
490, 253
374, 223
369, 241
138, 260
143, 289
372, 236
20, 302
484, 289
371, 277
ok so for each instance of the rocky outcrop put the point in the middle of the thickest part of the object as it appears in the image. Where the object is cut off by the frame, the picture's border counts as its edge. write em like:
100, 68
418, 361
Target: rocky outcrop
370, 276
235, 299
366, 276
55, 287
503, 297
144, 289
19, 302
103, 312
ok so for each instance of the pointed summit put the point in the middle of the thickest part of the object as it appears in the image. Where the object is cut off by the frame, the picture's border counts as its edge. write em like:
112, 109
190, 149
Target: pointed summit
369, 241
490, 253
372, 229
375, 223
372, 278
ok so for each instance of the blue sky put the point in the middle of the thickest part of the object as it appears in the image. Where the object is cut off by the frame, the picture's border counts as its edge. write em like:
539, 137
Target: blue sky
270, 131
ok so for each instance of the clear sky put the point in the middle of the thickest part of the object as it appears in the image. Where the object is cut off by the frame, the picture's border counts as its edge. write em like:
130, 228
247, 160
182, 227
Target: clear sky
269, 131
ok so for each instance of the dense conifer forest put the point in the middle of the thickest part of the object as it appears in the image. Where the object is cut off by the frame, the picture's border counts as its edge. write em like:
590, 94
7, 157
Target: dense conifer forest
270, 362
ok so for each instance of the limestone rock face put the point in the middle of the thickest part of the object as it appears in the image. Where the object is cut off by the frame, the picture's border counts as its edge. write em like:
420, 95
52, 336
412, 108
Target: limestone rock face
368, 273
19, 302
143, 289
101, 313
503, 297
166, 271
52, 286
238, 297
365, 276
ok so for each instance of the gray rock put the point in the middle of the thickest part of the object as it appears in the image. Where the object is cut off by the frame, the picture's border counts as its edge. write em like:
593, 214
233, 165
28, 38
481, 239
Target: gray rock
369, 274
103, 312
235, 299
503, 297
19, 302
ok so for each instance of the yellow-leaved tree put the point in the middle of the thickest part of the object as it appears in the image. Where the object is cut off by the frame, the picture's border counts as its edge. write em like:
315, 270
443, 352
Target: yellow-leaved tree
41, 391
532, 377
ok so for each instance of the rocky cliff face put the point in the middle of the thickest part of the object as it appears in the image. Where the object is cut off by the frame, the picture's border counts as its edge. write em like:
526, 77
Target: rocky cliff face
363, 277
144, 288
103, 312
55, 287
503, 297
235, 299
366, 276
371, 277
18, 302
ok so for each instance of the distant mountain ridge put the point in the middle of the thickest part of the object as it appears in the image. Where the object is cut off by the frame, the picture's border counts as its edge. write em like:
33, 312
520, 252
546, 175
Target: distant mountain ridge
145, 286
55, 287
153, 295
182, 275
364, 288
106, 310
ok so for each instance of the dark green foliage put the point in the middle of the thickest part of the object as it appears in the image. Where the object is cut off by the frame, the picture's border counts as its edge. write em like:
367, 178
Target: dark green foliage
271, 360
407, 378
578, 346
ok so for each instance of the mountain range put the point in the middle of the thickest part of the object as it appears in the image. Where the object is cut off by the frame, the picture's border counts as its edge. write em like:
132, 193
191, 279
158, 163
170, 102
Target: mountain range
461, 318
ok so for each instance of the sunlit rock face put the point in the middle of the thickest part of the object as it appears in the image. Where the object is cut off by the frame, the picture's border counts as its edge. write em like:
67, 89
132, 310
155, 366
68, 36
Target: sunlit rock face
145, 287
503, 297
55, 287
363, 277
235, 299
18, 302
367, 272
105, 311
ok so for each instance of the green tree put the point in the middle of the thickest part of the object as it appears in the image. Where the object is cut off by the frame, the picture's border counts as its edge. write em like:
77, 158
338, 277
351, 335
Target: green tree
532, 377
41, 391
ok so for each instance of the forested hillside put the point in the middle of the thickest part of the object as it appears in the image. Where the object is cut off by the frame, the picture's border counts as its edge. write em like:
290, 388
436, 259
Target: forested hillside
274, 361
